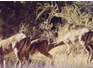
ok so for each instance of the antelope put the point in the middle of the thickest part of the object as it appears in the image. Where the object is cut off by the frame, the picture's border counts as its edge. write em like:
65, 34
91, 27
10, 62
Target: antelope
83, 36
40, 45
31, 47
13, 43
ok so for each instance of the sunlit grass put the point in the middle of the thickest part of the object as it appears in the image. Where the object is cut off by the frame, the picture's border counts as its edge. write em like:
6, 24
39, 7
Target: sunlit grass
76, 59
60, 59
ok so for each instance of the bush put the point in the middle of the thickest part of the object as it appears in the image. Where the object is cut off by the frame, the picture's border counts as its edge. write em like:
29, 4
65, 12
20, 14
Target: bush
74, 16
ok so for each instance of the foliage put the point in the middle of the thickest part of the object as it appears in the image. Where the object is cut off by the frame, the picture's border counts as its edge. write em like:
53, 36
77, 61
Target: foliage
46, 26
15, 12
51, 7
36, 14
74, 16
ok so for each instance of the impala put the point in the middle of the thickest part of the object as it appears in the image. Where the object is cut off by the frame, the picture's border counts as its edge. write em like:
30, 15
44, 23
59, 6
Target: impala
14, 43
83, 36
41, 45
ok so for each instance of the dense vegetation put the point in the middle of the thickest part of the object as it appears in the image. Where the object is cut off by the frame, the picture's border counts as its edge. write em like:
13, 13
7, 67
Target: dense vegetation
50, 20
43, 19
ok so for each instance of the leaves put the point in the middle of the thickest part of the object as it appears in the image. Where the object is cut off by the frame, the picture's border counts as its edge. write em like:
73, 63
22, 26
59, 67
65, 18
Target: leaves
74, 16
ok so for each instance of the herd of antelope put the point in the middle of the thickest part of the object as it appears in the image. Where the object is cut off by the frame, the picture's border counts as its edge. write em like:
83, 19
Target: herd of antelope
22, 46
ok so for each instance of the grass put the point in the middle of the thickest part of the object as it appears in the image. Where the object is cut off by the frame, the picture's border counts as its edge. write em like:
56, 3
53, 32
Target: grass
60, 60
76, 59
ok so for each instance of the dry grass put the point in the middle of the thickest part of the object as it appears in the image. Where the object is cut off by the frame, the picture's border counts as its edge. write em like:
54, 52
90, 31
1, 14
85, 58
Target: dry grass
60, 60
76, 59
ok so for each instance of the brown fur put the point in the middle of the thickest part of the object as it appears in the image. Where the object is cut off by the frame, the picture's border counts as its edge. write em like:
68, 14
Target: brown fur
41, 46
11, 44
53, 45
88, 39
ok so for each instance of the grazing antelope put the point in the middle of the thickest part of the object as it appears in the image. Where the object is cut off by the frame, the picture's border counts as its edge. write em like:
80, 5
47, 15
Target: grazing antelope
13, 43
40, 45
83, 36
